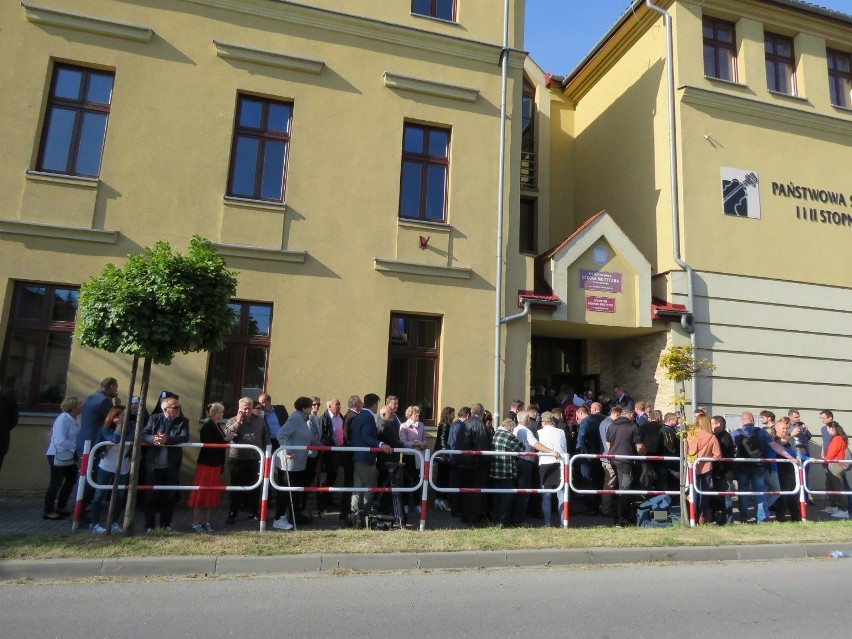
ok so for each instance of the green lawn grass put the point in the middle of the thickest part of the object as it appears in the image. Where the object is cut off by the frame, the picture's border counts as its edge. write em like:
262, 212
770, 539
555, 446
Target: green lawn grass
83, 545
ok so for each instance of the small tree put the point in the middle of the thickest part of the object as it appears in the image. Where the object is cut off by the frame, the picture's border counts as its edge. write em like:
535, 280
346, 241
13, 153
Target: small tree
681, 366
159, 304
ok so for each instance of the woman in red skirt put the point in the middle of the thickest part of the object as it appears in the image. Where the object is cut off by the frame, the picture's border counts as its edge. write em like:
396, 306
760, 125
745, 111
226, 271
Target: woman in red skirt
208, 472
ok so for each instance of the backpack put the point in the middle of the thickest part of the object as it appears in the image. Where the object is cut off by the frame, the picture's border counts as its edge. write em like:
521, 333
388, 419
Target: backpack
751, 446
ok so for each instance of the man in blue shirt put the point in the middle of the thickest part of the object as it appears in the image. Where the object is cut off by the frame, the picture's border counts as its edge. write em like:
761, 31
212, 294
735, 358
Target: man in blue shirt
752, 443
363, 433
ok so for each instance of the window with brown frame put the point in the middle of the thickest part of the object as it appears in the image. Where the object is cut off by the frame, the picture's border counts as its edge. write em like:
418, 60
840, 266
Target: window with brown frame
720, 49
839, 77
240, 370
413, 353
425, 168
527, 226
780, 64
75, 121
259, 152
443, 9
34, 365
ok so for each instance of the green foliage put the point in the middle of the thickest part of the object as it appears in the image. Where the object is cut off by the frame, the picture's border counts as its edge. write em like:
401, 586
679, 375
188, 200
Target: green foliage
160, 303
681, 364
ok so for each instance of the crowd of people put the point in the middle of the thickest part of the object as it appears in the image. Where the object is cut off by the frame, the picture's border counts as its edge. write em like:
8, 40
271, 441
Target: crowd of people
551, 427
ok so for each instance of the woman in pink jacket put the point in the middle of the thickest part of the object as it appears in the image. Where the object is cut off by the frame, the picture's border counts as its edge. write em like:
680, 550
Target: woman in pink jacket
701, 442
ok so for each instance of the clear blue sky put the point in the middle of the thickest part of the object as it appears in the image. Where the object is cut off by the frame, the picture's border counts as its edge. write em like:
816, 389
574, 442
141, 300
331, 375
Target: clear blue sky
560, 32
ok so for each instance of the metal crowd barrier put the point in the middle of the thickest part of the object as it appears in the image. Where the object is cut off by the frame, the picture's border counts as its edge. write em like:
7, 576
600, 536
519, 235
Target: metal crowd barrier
88, 460
282, 451
824, 463
695, 490
564, 478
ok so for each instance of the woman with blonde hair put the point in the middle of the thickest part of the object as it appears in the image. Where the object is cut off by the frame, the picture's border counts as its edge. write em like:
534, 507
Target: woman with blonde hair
208, 471
701, 442
61, 459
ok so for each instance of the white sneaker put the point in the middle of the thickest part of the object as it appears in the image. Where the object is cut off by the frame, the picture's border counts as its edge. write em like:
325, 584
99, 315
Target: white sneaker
830, 510
97, 529
115, 529
841, 514
282, 523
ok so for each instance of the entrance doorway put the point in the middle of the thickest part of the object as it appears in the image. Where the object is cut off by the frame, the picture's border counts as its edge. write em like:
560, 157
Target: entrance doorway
557, 363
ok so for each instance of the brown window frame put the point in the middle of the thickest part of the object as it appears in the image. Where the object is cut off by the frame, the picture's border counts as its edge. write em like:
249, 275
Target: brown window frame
425, 160
236, 346
80, 107
433, 10
527, 228
776, 61
839, 81
413, 353
264, 135
40, 329
718, 46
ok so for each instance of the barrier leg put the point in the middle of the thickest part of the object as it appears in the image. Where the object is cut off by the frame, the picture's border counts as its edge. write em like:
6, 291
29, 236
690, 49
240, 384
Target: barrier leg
264, 500
81, 487
425, 494
803, 499
566, 476
690, 479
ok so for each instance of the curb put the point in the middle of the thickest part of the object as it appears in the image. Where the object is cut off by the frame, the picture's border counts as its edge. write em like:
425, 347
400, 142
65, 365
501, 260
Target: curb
131, 567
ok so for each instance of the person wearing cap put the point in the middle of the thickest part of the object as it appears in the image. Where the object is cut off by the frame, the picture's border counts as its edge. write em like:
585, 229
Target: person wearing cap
135, 408
162, 433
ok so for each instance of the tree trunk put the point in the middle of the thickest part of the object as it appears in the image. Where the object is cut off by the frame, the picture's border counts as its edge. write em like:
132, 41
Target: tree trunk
130, 508
114, 494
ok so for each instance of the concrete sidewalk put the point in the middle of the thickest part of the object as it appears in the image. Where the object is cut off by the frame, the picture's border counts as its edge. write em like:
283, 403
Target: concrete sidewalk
134, 567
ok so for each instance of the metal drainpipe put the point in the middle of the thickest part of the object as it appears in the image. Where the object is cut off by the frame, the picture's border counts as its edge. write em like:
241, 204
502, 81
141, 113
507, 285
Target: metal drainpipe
674, 186
498, 284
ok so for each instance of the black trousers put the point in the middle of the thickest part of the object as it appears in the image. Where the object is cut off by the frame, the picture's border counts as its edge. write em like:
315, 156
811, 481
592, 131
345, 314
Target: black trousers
162, 501
244, 472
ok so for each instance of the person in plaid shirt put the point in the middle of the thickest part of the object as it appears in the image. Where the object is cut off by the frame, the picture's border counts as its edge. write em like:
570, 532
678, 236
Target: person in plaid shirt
504, 470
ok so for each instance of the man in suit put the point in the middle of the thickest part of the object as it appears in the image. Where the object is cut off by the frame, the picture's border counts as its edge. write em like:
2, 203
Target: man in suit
275, 415
95, 409
344, 458
622, 397
162, 465
363, 433
474, 468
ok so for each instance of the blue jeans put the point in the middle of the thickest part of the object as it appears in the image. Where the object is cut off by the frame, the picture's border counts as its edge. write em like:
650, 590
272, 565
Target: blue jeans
750, 478
105, 477
722, 484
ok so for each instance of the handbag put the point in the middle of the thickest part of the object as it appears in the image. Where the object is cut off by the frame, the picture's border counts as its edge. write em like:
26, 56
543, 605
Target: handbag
64, 457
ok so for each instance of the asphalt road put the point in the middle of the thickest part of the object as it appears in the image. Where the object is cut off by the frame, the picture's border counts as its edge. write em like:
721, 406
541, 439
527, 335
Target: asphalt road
791, 598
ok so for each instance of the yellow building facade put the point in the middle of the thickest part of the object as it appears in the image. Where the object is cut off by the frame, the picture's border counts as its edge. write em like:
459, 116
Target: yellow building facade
341, 156
763, 146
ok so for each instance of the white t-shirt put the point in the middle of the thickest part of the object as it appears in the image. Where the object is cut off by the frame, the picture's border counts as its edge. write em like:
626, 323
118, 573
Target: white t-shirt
554, 439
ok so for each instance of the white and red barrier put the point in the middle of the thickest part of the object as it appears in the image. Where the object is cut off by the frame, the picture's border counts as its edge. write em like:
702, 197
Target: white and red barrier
632, 491
280, 453
824, 463
89, 458
694, 489
564, 478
